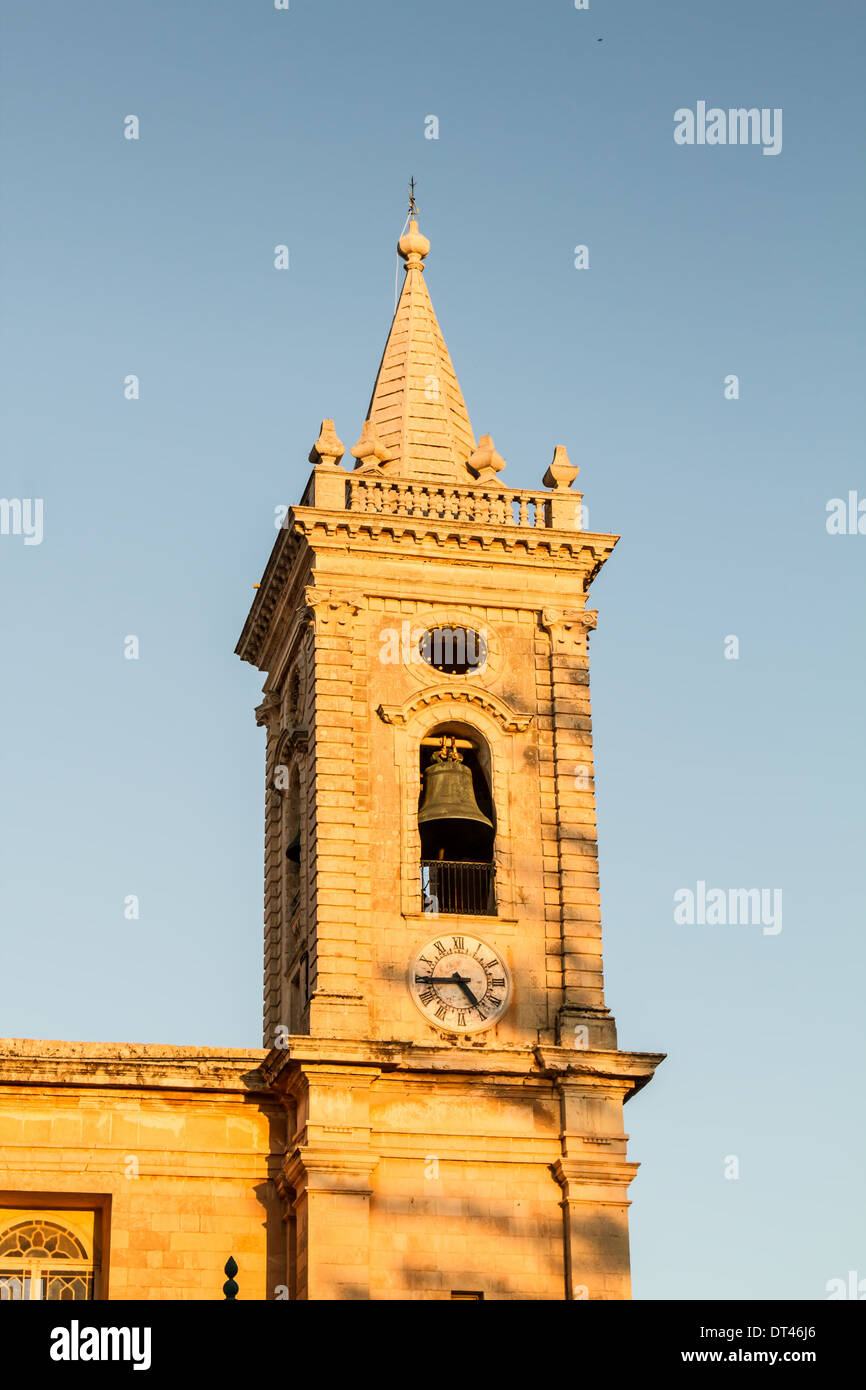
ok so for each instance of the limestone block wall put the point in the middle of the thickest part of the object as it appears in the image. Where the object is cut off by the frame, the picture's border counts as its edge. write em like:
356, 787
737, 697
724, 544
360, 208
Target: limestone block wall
177, 1148
463, 1198
351, 583
421, 1177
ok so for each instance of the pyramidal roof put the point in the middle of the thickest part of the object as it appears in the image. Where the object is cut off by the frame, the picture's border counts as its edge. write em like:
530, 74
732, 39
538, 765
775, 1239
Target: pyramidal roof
417, 424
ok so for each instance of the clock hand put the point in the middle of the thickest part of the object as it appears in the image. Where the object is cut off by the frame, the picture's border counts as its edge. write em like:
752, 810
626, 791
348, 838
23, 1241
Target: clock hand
463, 982
455, 979
467, 991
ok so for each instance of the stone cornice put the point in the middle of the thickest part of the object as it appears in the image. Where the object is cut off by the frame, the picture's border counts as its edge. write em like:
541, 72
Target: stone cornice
138, 1066
565, 1064
509, 719
493, 540
546, 547
268, 594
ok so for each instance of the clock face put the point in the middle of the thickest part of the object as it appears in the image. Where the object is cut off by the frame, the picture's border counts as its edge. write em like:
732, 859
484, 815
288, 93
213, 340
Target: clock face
459, 983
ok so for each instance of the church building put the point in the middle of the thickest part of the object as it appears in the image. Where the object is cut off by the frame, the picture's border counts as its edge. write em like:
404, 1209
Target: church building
437, 1108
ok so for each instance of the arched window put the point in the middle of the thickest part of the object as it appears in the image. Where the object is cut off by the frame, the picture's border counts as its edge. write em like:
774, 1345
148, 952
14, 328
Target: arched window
40, 1259
457, 823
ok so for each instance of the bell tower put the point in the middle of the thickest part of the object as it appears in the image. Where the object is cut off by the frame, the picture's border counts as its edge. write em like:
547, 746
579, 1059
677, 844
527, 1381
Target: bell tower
433, 995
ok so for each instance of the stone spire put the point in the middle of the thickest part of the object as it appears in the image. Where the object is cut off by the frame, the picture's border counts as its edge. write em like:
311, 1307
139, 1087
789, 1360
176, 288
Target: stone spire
417, 412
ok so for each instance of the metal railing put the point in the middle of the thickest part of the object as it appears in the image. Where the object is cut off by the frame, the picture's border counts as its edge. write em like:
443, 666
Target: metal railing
460, 887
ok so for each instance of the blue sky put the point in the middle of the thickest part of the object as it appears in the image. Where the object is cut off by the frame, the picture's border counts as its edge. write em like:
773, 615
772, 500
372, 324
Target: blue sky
155, 257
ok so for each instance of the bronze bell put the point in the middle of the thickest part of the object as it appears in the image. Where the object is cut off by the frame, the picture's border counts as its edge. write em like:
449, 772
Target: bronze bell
448, 790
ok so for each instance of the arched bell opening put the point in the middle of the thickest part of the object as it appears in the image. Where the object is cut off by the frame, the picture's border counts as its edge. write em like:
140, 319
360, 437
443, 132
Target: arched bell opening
457, 823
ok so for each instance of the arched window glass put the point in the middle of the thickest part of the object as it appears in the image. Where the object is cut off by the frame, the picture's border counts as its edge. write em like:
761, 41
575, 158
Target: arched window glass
40, 1259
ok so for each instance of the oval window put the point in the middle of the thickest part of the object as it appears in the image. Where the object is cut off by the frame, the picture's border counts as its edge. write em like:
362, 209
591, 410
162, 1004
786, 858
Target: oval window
453, 650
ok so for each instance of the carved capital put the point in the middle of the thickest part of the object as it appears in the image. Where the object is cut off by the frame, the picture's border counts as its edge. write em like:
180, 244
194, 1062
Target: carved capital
569, 628
268, 710
329, 610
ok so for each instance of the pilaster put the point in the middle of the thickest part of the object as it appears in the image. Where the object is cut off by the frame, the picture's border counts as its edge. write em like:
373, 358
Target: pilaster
329, 1168
339, 835
576, 830
268, 714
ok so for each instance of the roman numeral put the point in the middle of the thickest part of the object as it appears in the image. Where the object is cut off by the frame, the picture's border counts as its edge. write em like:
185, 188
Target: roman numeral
497, 984
492, 1000
461, 1017
440, 948
459, 943
442, 1011
427, 995
425, 961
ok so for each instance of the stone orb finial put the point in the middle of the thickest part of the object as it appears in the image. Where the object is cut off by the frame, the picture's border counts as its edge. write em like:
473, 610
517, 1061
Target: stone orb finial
413, 247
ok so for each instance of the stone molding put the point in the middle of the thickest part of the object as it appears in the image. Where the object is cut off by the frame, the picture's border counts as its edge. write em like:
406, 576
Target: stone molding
289, 743
581, 1172
584, 1066
509, 719
143, 1066
330, 1170
586, 548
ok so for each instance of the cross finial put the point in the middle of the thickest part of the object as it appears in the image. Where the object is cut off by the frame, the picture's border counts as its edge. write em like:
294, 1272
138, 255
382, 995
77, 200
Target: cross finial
413, 206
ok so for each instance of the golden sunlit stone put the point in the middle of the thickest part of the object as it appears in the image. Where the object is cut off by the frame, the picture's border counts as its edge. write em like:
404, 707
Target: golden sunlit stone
437, 1109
